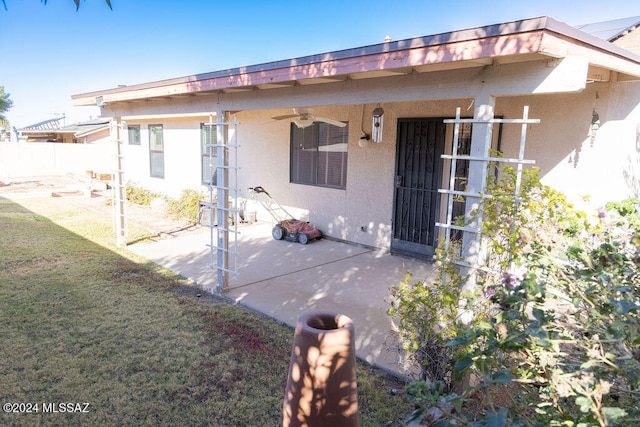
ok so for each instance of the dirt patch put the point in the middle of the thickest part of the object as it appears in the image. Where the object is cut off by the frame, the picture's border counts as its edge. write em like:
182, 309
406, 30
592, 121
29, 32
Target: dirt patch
100, 200
67, 194
37, 185
192, 291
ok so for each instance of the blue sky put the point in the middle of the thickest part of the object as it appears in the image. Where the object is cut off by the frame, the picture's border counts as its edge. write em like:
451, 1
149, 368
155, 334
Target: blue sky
50, 52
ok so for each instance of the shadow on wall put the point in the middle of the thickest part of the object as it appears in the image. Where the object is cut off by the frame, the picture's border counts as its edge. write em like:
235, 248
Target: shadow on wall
631, 172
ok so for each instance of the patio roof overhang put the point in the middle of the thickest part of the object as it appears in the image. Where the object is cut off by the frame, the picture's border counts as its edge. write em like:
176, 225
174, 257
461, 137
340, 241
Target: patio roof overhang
538, 39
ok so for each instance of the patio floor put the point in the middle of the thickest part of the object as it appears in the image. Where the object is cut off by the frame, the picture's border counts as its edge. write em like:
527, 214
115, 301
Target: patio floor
283, 280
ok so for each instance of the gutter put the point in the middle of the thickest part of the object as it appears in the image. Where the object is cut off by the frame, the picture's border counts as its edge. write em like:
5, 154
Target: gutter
341, 65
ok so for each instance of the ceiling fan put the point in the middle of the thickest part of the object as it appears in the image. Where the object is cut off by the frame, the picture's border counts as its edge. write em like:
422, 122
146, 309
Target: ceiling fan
302, 117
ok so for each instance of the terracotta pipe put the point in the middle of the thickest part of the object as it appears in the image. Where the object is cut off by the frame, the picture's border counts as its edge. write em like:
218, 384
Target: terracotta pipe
322, 386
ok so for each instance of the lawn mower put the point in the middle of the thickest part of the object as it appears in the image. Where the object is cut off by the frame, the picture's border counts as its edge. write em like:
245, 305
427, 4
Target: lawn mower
286, 227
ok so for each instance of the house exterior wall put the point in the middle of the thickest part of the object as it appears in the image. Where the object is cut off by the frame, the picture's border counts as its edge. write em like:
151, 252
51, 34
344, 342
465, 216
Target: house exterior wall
366, 201
591, 172
101, 137
69, 138
181, 138
599, 170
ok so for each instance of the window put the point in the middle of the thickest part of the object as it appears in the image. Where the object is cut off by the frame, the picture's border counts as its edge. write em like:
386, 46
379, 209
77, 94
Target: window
134, 134
156, 151
319, 155
208, 138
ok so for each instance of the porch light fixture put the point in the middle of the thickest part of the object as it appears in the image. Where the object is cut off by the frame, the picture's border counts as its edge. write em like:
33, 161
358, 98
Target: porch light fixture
364, 140
595, 125
595, 120
376, 128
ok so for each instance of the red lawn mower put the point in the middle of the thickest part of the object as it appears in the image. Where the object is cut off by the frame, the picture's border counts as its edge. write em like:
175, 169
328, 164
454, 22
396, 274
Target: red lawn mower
286, 227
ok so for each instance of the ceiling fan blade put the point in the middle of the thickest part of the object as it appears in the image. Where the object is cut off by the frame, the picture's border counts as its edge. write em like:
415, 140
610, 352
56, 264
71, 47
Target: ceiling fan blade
329, 121
304, 115
286, 116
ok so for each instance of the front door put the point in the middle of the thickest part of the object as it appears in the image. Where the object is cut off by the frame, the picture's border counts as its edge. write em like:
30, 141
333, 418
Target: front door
420, 143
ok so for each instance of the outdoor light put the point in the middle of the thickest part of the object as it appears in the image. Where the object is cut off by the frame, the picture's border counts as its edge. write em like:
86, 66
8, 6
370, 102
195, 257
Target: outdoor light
303, 123
595, 125
595, 120
363, 142
376, 128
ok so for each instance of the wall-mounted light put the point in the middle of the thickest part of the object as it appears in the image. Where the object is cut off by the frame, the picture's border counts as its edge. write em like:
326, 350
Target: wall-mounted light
363, 142
376, 128
595, 125
595, 120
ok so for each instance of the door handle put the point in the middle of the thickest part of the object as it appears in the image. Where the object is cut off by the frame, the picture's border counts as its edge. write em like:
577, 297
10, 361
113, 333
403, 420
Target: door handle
398, 181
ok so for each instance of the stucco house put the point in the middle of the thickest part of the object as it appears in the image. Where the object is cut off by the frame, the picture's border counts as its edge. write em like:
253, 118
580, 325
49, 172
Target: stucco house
360, 141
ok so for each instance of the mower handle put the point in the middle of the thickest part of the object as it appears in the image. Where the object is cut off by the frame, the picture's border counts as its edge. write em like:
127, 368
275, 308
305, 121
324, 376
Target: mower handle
259, 189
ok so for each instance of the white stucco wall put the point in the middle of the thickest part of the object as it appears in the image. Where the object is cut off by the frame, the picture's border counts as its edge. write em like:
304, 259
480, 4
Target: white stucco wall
366, 202
32, 159
590, 172
181, 139
605, 169
101, 137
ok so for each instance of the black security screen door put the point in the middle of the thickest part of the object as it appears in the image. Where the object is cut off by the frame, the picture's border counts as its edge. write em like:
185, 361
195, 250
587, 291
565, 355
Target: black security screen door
420, 143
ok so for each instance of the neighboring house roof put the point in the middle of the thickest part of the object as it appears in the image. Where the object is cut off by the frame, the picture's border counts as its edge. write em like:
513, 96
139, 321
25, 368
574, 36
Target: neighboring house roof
86, 128
520, 41
45, 125
79, 130
611, 30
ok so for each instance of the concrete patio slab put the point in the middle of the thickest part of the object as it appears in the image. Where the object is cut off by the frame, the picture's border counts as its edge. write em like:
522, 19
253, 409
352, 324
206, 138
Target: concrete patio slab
283, 280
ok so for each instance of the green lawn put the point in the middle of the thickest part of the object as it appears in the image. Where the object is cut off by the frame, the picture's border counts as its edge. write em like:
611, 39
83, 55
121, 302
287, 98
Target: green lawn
83, 321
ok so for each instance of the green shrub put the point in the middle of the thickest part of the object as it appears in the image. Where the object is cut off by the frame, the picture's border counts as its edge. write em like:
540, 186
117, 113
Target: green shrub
556, 334
140, 195
187, 206
629, 208
424, 313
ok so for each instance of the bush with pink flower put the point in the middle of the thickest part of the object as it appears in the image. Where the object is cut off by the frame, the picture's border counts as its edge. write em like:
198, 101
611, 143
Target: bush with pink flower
555, 336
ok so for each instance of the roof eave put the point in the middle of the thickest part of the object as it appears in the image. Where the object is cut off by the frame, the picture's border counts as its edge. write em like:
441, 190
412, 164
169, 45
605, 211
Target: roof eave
88, 132
520, 40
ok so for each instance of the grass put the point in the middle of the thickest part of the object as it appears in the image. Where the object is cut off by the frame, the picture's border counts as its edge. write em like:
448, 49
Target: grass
83, 321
